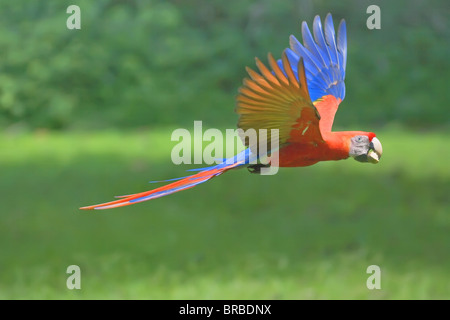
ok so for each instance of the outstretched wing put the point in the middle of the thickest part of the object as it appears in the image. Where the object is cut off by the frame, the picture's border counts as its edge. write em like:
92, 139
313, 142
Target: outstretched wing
325, 58
280, 100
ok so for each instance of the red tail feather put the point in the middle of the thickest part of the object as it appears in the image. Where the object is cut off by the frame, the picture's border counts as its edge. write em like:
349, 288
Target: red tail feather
173, 187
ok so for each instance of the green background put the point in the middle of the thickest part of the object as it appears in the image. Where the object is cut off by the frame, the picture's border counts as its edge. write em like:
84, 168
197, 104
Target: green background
88, 114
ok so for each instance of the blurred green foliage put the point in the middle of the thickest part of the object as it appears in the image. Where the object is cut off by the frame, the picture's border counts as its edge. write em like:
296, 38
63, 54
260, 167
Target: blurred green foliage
138, 63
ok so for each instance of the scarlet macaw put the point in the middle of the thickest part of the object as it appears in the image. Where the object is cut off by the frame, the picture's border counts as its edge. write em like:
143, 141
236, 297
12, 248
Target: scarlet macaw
299, 96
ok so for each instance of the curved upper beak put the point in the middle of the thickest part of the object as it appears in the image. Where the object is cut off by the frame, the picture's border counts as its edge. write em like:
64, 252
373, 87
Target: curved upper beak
375, 151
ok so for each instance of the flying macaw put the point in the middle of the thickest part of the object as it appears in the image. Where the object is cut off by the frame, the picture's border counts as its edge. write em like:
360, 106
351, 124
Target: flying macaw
299, 95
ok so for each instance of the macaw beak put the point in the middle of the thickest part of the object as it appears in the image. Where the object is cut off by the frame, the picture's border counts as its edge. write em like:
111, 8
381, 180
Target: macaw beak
375, 151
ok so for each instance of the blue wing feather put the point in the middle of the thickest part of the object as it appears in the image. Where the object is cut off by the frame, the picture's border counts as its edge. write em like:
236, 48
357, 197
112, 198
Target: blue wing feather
330, 39
320, 40
299, 50
342, 44
324, 55
309, 44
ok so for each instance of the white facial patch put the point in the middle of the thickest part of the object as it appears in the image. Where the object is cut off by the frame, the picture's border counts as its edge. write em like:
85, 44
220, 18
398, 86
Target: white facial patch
359, 146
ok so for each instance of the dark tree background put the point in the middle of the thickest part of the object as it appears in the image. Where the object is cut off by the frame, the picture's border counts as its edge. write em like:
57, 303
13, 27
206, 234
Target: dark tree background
156, 63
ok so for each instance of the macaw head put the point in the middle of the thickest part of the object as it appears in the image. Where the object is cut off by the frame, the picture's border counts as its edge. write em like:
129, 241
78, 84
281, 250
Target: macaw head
365, 148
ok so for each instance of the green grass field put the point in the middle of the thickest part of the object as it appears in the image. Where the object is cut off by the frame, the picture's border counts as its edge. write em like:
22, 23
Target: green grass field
304, 233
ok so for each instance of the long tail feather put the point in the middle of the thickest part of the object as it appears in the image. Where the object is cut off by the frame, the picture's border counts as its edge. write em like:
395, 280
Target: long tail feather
183, 184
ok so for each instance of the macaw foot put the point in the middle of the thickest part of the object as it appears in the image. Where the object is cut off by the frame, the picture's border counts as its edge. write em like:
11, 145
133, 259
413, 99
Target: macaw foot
256, 168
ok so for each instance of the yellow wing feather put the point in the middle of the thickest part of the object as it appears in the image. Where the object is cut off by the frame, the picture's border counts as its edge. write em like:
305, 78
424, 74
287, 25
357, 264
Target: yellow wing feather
277, 100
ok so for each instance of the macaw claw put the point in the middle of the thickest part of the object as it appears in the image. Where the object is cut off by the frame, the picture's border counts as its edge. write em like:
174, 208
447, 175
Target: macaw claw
256, 168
